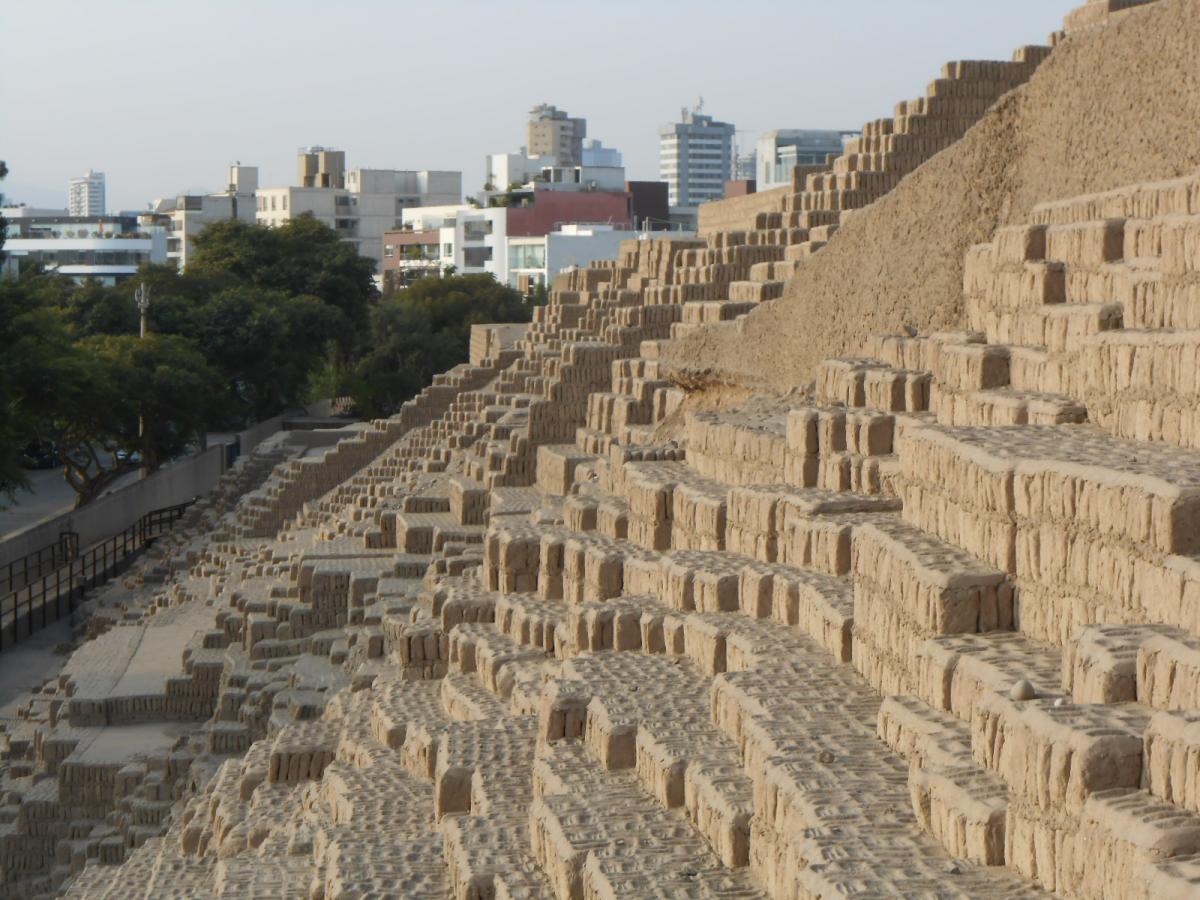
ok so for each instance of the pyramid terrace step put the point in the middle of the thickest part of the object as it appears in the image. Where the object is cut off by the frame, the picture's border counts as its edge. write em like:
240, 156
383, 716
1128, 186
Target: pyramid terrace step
798, 253
753, 292
815, 760
613, 737
1145, 385
921, 354
783, 523
1086, 244
594, 834
857, 382
1179, 196
1012, 286
1055, 757
1038, 371
921, 734
1018, 497
716, 311
531, 621
499, 660
556, 466
1123, 843
1106, 663
954, 672
1168, 670
910, 586
682, 759
965, 809
491, 853
1058, 328
737, 447
1005, 406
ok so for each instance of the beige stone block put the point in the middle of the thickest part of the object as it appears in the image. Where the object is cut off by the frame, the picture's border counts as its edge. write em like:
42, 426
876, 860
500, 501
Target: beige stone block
965, 810
1056, 757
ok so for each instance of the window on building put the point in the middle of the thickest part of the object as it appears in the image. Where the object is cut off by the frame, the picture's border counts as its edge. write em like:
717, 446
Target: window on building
476, 257
272, 202
447, 250
477, 231
389, 251
527, 256
283, 202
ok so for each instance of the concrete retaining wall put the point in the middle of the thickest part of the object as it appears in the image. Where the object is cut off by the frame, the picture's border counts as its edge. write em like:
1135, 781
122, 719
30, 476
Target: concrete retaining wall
113, 513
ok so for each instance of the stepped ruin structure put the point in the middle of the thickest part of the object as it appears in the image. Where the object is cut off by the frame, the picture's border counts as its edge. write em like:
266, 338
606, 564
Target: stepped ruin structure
594, 618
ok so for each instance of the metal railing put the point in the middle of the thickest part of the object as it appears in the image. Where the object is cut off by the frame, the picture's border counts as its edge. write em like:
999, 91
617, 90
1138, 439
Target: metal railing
31, 566
49, 595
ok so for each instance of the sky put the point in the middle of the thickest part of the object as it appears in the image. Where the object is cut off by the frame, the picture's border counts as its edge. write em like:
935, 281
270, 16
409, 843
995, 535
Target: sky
162, 95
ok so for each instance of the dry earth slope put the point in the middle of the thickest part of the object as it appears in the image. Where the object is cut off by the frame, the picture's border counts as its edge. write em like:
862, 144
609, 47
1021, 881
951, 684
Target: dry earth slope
1110, 107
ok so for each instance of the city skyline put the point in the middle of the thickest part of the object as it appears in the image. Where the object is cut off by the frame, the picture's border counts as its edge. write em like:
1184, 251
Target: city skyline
245, 92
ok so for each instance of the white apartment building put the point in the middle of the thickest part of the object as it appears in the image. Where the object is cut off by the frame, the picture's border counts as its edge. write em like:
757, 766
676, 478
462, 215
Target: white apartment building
536, 260
372, 202
476, 241
85, 195
189, 214
103, 249
695, 159
505, 170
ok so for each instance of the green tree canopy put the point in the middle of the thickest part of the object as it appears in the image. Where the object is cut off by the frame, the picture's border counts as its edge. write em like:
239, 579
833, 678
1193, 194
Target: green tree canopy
303, 256
105, 386
261, 318
425, 329
37, 357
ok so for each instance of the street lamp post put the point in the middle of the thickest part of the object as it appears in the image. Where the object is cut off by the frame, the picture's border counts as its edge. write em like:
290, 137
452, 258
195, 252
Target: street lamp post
142, 296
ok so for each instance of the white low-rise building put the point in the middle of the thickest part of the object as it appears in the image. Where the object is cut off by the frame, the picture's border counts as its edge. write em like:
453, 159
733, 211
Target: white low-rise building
511, 170
476, 241
371, 202
189, 214
536, 260
104, 249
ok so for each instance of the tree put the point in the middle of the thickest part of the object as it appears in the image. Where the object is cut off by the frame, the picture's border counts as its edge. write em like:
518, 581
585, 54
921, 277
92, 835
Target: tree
3, 222
426, 329
37, 349
83, 396
303, 256
262, 317
117, 384
264, 344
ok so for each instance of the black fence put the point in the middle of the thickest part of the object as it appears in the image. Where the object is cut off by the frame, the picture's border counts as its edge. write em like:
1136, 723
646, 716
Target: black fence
32, 566
46, 585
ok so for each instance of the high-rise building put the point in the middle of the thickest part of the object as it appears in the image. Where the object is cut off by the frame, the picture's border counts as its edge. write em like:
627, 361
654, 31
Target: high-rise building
553, 133
85, 195
695, 159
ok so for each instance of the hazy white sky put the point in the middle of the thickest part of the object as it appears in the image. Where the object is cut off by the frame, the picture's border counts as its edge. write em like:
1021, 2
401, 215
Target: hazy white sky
161, 95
